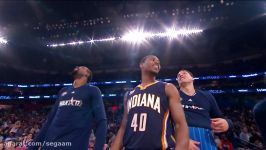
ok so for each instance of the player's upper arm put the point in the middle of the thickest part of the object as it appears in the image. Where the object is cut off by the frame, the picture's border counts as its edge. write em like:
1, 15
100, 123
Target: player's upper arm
97, 104
174, 103
125, 114
215, 111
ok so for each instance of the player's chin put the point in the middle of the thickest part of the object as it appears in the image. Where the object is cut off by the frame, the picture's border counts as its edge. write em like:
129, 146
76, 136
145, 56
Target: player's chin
155, 72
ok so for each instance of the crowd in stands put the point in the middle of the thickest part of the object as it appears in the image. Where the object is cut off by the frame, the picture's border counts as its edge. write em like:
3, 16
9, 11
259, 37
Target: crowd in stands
19, 125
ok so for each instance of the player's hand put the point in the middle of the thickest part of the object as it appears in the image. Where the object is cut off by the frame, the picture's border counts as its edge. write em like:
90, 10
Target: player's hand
193, 145
219, 125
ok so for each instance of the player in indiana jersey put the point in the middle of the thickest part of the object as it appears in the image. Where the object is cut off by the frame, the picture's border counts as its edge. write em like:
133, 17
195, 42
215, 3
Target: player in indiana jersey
151, 112
71, 118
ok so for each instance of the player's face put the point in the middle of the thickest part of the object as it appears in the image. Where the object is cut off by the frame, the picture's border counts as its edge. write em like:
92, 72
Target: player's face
84, 72
151, 64
184, 77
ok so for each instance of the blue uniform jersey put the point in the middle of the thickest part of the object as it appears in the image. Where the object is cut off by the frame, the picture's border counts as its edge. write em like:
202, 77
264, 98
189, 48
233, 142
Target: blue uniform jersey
199, 109
149, 125
72, 117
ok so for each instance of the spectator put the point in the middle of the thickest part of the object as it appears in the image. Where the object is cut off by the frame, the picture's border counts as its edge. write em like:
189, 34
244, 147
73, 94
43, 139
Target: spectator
226, 143
245, 135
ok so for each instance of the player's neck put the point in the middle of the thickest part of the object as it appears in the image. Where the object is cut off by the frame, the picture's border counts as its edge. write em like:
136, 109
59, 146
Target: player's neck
147, 79
188, 89
78, 83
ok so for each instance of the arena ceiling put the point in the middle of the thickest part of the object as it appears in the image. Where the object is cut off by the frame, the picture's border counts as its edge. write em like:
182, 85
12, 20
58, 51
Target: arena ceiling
240, 33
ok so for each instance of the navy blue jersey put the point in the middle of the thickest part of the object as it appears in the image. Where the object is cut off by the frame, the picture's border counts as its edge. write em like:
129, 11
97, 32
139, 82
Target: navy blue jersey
199, 109
149, 124
71, 119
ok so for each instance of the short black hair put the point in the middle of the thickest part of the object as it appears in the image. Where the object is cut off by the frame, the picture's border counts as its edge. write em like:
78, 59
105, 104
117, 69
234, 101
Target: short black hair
145, 58
189, 72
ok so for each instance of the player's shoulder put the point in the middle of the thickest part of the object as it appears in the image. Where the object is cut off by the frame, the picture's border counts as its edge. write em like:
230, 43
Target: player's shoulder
63, 89
164, 84
170, 89
92, 87
205, 93
169, 85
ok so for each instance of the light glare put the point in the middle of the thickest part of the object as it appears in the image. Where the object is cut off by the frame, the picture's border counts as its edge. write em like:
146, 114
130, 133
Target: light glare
136, 36
3, 41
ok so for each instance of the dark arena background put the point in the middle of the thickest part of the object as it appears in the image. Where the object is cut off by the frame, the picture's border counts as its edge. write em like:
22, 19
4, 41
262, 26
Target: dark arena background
223, 43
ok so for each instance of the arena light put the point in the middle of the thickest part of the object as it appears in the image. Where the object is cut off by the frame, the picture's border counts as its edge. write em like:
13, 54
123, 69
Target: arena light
54, 45
112, 95
136, 36
232, 76
261, 90
188, 32
214, 91
139, 36
5, 97
167, 80
249, 75
23, 86
34, 97
175, 33
3, 40
243, 90
108, 82
215, 77
67, 84
121, 82
57, 84
104, 40
62, 44
73, 43
80, 42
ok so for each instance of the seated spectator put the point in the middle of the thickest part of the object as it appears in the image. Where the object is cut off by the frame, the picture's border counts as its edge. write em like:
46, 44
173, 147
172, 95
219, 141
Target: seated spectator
226, 143
244, 134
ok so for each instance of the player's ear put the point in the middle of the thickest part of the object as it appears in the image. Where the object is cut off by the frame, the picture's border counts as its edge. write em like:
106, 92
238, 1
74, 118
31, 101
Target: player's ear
140, 65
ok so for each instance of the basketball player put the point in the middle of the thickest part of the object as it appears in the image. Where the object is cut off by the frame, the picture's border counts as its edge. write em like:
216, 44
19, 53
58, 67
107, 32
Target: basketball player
202, 114
149, 113
73, 114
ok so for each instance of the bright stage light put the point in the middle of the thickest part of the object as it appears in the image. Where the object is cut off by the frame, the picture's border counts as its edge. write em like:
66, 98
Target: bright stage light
107, 39
81, 42
72, 43
173, 33
62, 44
3, 41
136, 36
54, 45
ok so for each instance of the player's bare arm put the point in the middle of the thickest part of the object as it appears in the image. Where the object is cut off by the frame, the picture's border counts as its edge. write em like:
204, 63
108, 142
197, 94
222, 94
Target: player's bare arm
118, 142
181, 132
